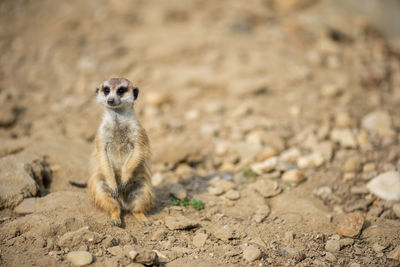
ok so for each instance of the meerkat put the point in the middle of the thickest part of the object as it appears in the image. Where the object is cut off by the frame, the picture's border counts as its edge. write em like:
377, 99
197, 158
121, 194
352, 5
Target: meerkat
121, 175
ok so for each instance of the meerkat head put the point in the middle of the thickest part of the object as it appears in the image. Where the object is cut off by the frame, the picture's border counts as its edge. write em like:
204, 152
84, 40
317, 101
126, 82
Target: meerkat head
116, 93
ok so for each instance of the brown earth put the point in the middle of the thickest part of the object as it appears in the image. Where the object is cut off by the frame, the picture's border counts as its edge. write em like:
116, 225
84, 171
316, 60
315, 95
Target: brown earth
223, 85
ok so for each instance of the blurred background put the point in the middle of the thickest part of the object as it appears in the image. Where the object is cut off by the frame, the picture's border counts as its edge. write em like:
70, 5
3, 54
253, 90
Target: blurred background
224, 86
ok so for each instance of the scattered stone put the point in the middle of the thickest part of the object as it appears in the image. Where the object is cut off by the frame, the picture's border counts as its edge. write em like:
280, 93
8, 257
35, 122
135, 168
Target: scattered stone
330, 257
110, 241
394, 254
360, 190
116, 251
343, 120
266, 153
369, 167
222, 184
293, 253
265, 166
179, 223
144, 256
352, 164
332, 246
378, 248
232, 195
345, 242
181, 251
216, 191
354, 264
323, 192
257, 241
325, 149
313, 160
344, 137
178, 191
225, 233
27, 206
375, 211
377, 121
386, 186
266, 188
262, 212
290, 155
293, 177
80, 258
78, 237
351, 224
251, 253
157, 179
396, 209
248, 151
200, 239
158, 235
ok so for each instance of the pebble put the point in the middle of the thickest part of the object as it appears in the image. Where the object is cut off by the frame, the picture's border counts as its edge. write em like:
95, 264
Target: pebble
332, 246
369, 167
157, 179
378, 248
351, 224
225, 233
354, 264
323, 192
386, 186
158, 235
346, 242
222, 184
313, 160
359, 190
290, 155
343, 120
200, 239
293, 177
179, 223
266, 188
330, 257
27, 206
178, 191
396, 209
216, 191
344, 137
251, 253
293, 253
394, 254
80, 258
377, 121
352, 164
265, 166
232, 195
262, 212
144, 256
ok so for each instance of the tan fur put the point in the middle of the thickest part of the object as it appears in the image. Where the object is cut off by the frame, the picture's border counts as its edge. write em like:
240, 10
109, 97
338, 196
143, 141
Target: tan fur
121, 178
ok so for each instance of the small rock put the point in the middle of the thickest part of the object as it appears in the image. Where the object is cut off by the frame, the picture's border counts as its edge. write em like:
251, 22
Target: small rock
178, 191
293, 177
144, 256
396, 209
251, 253
200, 239
359, 190
369, 167
248, 151
27, 206
78, 237
157, 179
257, 241
192, 114
330, 257
290, 155
354, 264
323, 192
343, 120
313, 160
232, 195
377, 121
116, 251
225, 233
352, 165
265, 166
224, 185
386, 186
179, 223
266, 188
351, 224
80, 258
394, 254
293, 253
378, 248
216, 191
332, 246
344, 137
158, 235
346, 242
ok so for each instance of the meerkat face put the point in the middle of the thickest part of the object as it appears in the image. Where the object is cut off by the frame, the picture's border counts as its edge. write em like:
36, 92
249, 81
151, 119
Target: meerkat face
116, 93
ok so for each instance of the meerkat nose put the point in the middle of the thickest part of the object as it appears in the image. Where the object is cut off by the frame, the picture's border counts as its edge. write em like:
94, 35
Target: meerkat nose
110, 101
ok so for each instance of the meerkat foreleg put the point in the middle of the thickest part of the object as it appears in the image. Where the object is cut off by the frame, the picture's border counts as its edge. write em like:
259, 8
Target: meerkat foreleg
134, 159
103, 199
109, 175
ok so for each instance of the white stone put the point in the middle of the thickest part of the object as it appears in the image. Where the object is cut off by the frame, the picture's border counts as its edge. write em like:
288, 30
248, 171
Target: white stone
80, 258
344, 137
251, 253
386, 186
290, 155
377, 121
178, 191
265, 166
157, 179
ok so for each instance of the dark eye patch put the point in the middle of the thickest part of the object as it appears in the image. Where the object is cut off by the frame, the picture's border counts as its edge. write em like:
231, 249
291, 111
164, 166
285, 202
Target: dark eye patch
106, 90
122, 90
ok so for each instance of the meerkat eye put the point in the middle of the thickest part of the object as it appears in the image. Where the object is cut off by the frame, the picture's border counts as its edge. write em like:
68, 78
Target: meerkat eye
106, 90
122, 90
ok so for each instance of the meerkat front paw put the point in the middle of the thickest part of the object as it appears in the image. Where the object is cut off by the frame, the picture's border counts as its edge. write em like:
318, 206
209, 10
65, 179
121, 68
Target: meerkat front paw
113, 192
123, 187
116, 222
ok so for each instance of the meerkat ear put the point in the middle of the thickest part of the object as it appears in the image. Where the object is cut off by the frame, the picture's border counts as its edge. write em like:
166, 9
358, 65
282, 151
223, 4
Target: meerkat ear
135, 93
97, 90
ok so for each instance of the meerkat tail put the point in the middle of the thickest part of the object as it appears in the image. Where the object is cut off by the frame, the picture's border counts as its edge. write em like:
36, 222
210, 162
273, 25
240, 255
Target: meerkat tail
79, 185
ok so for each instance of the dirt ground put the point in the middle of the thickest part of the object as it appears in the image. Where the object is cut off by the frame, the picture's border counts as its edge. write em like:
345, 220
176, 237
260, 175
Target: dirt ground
275, 114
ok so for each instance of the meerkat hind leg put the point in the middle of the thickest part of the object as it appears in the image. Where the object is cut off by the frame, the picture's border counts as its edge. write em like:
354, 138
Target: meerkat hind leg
142, 218
103, 199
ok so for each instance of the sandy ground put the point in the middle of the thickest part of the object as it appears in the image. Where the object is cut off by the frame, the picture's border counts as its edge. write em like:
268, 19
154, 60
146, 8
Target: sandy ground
274, 114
